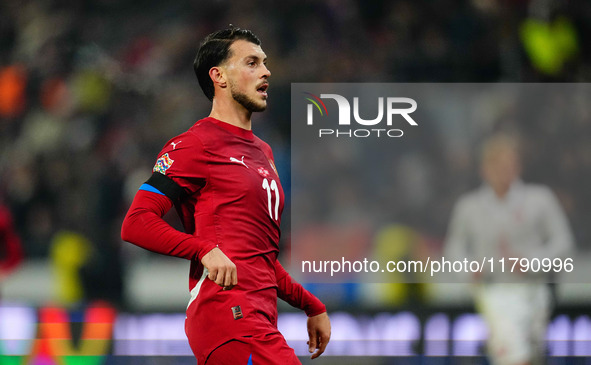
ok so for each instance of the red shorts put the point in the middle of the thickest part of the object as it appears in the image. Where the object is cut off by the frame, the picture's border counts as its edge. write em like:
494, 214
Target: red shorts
264, 349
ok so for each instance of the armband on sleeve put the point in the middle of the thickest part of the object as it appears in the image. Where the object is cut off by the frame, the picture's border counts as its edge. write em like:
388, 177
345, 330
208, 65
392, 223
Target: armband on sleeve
164, 185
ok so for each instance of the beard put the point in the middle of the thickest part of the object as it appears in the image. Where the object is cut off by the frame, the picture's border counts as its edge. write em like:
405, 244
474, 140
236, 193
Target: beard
248, 103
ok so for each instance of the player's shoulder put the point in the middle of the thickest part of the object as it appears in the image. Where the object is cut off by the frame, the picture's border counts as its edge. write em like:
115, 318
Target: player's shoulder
184, 138
182, 154
210, 132
472, 196
264, 146
538, 192
202, 130
202, 126
470, 200
191, 138
537, 189
181, 144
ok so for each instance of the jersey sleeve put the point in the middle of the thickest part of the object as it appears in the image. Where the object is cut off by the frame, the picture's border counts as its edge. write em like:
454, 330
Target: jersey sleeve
294, 293
143, 226
559, 241
183, 162
180, 170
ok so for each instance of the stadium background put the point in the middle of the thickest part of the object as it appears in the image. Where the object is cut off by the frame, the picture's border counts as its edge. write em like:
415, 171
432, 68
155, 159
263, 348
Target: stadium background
90, 91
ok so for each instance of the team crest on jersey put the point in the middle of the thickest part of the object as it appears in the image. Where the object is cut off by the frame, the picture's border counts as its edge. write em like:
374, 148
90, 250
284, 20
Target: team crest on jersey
263, 171
163, 164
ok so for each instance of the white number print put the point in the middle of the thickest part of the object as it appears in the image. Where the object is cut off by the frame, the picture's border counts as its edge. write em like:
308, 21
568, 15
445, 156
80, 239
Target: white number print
272, 187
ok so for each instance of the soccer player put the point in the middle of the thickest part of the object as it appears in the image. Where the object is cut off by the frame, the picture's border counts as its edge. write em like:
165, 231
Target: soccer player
11, 253
509, 218
223, 183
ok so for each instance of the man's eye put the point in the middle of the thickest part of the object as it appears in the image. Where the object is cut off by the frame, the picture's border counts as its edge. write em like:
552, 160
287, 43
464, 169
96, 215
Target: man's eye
252, 63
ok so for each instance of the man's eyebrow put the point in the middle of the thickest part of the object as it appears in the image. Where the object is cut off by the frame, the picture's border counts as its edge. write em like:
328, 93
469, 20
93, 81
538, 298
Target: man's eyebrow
255, 57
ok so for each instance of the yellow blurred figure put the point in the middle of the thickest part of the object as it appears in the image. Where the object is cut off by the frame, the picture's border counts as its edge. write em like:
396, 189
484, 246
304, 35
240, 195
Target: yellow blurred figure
69, 252
397, 242
549, 45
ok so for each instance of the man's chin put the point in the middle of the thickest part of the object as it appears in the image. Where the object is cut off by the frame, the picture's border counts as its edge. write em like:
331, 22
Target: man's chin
259, 107
251, 104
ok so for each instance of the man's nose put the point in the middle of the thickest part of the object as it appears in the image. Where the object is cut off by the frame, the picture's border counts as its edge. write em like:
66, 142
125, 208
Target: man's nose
267, 72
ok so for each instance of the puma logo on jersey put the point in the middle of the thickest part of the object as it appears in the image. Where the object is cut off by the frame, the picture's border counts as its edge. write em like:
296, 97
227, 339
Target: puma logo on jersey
173, 144
238, 161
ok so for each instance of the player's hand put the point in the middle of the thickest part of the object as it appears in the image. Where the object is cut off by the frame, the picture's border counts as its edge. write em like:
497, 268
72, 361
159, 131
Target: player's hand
221, 269
318, 334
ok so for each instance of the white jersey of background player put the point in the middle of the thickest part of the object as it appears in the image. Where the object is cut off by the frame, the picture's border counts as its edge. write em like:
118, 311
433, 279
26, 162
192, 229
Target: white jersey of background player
509, 218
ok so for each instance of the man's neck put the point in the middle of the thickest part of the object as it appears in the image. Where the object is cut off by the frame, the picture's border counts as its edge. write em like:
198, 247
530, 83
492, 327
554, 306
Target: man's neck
501, 193
231, 112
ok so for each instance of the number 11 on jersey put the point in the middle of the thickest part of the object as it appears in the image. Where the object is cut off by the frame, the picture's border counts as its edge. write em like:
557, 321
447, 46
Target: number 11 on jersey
270, 187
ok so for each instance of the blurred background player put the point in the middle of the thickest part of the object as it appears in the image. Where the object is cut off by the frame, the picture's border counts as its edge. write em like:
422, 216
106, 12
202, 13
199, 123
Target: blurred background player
11, 253
223, 182
509, 218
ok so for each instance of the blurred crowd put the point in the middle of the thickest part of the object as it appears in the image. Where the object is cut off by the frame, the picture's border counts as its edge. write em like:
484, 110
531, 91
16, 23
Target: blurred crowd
91, 90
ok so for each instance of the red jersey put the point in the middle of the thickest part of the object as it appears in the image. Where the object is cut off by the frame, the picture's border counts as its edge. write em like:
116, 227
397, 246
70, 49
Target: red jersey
10, 245
235, 201
224, 185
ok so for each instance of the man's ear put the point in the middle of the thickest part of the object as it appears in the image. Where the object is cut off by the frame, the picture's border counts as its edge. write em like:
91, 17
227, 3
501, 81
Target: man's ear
218, 76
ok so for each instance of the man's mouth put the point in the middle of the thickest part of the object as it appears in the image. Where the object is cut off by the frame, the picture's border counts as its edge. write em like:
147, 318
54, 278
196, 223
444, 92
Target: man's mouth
262, 89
